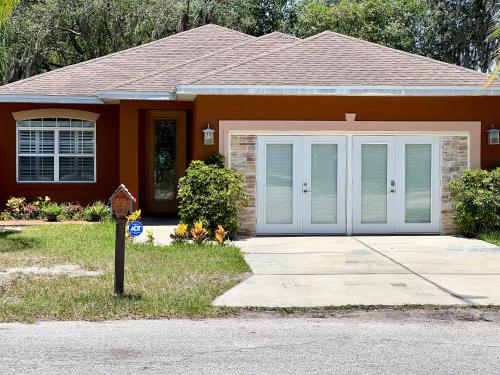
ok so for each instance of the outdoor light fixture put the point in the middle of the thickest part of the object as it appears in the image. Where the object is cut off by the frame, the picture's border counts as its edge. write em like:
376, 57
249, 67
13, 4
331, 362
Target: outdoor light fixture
493, 135
208, 136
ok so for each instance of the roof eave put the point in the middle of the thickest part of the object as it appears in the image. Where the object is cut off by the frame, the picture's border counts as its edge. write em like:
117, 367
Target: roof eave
116, 95
53, 99
191, 91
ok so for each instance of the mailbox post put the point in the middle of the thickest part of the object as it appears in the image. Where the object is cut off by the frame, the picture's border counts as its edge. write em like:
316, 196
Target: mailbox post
122, 205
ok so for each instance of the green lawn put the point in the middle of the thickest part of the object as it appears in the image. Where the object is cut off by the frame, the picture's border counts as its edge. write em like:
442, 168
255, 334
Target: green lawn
170, 281
493, 237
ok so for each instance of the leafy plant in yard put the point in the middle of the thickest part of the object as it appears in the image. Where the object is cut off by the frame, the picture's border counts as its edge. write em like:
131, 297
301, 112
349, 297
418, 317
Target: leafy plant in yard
97, 211
476, 201
216, 159
15, 206
213, 195
180, 234
5, 215
73, 211
52, 211
150, 237
220, 235
32, 211
198, 233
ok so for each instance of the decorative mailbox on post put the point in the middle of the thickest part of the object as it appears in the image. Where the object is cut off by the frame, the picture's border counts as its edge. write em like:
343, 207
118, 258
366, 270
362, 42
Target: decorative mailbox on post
122, 204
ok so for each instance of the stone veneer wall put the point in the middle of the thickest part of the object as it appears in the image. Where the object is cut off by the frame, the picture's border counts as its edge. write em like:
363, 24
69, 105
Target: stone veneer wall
454, 160
243, 159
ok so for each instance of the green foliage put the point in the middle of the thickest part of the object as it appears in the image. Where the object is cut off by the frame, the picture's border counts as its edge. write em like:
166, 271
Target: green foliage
98, 211
216, 159
5, 215
453, 31
212, 195
476, 200
15, 207
52, 211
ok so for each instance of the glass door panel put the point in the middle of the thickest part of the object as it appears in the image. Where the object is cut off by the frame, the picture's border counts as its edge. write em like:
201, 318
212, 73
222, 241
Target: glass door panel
165, 170
278, 188
324, 183
279, 183
373, 184
418, 197
418, 166
323, 186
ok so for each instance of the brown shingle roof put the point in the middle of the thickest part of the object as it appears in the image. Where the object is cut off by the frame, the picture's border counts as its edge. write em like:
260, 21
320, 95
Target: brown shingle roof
90, 77
214, 56
331, 59
167, 79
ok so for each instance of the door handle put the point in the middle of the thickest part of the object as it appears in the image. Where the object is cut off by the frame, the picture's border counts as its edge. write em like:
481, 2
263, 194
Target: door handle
306, 191
392, 191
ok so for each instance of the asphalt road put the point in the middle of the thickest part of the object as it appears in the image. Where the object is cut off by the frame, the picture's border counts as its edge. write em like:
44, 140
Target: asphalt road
252, 346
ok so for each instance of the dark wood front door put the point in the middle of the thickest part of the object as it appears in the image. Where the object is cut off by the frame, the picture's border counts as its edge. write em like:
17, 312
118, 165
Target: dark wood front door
165, 159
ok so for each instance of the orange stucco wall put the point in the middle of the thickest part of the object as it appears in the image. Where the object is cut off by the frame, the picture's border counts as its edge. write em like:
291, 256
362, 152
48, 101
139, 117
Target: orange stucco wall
212, 109
120, 132
107, 158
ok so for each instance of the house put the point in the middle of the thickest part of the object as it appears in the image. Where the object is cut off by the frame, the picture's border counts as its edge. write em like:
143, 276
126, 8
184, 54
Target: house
333, 134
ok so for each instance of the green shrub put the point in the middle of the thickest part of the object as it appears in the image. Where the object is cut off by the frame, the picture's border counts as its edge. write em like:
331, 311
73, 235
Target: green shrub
5, 215
97, 211
216, 159
52, 211
15, 207
73, 211
476, 201
212, 195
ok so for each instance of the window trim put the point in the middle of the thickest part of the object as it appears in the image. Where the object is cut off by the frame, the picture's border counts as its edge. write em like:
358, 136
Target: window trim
56, 155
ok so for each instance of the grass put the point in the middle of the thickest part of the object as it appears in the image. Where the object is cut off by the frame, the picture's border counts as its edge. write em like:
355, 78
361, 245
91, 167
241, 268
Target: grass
493, 237
160, 282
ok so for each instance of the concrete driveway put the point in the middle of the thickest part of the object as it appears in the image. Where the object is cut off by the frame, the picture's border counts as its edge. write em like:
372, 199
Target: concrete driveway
378, 270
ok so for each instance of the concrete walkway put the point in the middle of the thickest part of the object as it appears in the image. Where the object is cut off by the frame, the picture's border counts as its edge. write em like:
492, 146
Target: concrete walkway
382, 270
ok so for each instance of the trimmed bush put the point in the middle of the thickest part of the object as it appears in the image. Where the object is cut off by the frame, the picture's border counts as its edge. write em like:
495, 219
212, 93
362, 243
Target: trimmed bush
96, 212
52, 211
213, 195
476, 198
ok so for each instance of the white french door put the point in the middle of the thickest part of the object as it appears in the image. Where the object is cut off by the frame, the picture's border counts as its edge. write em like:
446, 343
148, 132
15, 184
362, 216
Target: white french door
301, 186
396, 185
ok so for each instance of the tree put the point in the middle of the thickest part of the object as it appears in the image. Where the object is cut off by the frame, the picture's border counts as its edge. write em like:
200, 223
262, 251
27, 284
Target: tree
6, 7
457, 30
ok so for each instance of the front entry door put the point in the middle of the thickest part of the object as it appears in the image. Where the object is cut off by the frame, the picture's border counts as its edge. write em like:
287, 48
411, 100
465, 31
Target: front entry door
301, 184
396, 185
165, 160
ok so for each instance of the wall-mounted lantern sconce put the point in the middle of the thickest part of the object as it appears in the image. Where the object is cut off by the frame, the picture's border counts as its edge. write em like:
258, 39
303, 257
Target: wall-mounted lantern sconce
208, 136
493, 135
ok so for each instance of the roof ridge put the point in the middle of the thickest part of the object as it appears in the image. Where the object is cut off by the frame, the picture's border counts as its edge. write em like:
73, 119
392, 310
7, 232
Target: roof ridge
64, 68
254, 39
253, 58
381, 46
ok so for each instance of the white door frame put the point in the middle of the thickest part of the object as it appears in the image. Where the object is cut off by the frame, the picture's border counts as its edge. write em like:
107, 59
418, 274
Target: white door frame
340, 225
433, 226
357, 225
296, 225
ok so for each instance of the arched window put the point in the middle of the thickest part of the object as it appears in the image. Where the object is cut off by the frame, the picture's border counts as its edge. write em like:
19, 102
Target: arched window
56, 150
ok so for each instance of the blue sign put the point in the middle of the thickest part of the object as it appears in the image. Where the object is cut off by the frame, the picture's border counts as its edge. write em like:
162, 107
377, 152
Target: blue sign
135, 228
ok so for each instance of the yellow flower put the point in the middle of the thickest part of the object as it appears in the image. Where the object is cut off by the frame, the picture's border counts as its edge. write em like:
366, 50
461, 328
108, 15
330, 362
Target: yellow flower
182, 229
198, 226
220, 235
